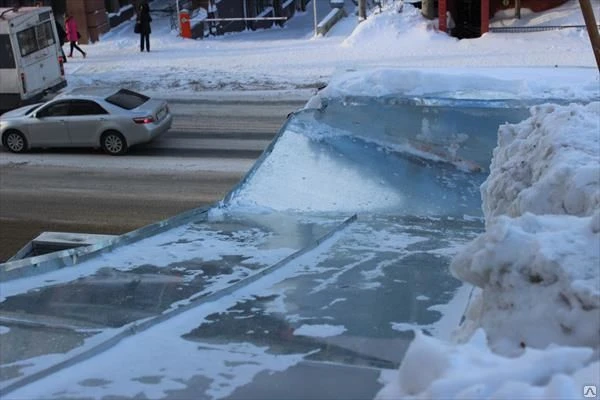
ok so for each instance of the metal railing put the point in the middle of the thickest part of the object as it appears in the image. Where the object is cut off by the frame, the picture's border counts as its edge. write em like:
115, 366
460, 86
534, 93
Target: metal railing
524, 29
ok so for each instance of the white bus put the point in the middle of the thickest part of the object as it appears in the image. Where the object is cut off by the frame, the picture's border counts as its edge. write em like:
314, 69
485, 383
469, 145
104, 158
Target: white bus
30, 57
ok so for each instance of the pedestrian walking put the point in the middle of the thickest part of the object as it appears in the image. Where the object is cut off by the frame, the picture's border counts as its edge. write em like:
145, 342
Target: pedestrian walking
62, 36
73, 35
143, 26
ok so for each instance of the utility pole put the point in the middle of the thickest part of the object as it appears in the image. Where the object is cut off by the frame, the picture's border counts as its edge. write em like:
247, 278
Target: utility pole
518, 9
590, 22
177, 17
315, 16
362, 10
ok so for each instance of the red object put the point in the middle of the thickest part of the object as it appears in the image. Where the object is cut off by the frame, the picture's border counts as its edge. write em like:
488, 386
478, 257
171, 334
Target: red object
485, 16
144, 120
184, 23
442, 8
71, 28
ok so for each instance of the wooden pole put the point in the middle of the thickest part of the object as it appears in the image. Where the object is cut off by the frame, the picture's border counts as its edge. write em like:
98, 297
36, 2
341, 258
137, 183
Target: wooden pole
442, 8
315, 17
485, 16
518, 9
590, 22
178, 20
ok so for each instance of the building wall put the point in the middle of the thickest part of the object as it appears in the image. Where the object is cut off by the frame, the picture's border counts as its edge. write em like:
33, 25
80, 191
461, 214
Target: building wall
91, 18
466, 14
533, 5
253, 8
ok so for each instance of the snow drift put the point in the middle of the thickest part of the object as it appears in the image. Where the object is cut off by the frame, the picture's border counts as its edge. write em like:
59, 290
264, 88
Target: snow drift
532, 171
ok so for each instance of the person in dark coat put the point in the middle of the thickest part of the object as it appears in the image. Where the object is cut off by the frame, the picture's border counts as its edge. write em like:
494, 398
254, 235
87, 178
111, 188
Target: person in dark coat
62, 36
144, 20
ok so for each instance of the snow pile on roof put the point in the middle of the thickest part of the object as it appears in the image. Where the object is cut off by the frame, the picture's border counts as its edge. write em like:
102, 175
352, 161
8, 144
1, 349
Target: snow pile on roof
436, 370
568, 84
548, 165
538, 276
531, 172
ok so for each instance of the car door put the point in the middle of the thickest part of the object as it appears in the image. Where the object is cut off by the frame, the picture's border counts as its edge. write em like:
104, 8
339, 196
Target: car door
85, 122
48, 127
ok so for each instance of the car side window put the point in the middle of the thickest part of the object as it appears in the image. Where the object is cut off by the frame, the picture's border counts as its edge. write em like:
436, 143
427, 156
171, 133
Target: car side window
58, 109
85, 107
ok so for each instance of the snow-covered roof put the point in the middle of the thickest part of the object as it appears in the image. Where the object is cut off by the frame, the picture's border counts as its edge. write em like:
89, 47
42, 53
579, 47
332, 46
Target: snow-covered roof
337, 244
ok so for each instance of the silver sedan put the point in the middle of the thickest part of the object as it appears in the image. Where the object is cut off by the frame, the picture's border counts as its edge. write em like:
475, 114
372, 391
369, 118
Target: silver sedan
112, 119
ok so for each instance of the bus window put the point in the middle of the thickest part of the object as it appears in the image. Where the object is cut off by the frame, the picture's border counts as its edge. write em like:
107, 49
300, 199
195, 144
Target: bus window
45, 16
27, 41
35, 38
6, 48
45, 35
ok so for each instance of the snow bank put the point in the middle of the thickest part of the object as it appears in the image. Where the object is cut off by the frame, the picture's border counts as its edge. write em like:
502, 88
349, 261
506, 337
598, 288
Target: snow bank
539, 276
391, 25
537, 269
547, 164
433, 369
569, 84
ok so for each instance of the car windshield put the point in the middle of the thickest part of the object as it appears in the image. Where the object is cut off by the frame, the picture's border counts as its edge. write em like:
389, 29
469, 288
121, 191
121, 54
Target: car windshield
127, 99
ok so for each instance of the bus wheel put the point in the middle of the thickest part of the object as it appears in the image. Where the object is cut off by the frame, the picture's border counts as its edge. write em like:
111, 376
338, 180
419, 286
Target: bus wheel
14, 141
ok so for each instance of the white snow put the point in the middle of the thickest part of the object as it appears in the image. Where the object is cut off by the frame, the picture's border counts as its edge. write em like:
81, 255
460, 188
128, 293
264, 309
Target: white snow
4, 329
519, 261
547, 164
280, 185
320, 330
433, 369
478, 83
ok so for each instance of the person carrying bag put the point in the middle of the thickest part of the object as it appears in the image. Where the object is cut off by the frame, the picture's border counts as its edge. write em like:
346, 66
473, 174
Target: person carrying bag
142, 26
73, 35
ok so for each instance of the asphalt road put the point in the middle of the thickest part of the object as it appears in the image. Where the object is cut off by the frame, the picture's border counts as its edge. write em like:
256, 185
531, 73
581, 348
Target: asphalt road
210, 147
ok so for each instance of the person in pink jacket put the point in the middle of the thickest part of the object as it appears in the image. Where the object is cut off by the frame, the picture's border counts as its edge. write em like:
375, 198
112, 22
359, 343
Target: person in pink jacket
73, 35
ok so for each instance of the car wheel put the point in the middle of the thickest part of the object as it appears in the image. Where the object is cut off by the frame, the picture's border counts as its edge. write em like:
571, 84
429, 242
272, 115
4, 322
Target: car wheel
14, 141
113, 143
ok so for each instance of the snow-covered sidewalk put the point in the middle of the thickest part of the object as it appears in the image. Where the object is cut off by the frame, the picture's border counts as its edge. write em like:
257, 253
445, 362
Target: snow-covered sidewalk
279, 58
